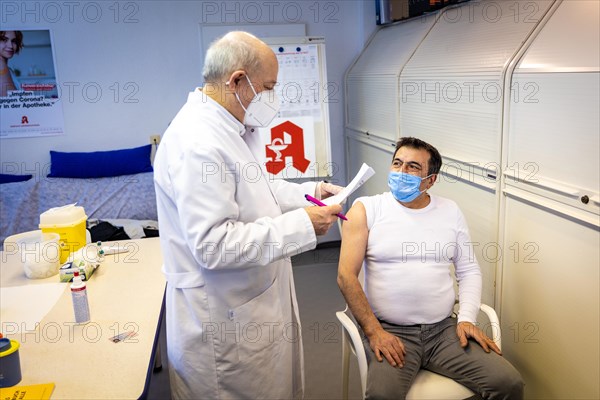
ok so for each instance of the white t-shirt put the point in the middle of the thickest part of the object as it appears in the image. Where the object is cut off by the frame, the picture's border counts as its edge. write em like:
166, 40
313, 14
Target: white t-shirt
409, 254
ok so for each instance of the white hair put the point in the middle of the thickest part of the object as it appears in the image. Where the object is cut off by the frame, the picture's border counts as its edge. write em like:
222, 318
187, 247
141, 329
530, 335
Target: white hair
234, 51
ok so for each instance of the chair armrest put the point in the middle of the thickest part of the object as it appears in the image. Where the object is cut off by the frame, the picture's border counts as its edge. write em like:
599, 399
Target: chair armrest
494, 324
350, 331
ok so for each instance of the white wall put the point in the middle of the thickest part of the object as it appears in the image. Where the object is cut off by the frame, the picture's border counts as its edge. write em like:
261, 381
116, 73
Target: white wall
145, 56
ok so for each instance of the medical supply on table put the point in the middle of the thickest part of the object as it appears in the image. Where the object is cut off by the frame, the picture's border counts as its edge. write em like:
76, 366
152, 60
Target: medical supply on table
10, 363
38, 252
112, 249
80, 299
122, 336
69, 222
84, 260
321, 204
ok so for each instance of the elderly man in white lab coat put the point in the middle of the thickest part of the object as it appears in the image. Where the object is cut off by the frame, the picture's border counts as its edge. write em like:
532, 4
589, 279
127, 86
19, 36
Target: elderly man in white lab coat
227, 233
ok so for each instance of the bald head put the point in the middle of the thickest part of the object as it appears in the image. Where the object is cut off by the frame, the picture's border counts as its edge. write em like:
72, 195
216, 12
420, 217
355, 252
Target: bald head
236, 50
243, 37
237, 67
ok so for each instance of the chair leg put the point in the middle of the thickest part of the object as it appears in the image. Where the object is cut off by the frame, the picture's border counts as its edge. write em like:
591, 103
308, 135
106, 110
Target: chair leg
345, 366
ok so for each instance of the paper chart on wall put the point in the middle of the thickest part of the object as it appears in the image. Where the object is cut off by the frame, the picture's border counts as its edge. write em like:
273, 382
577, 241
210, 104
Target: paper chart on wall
361, 177
299, 80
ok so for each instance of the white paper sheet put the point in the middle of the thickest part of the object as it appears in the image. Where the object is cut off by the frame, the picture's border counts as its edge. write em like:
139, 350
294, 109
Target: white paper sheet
361, 177
21, 307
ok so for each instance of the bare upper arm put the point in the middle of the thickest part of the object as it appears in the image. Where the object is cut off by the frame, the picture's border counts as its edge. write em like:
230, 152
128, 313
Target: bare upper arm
354, 241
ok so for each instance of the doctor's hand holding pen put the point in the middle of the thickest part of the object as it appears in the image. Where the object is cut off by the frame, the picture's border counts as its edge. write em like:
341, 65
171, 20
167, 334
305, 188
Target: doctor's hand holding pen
323, 216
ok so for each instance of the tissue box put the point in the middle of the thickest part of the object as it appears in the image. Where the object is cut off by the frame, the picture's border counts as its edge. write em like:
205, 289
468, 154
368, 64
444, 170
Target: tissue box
85, 259
68, 269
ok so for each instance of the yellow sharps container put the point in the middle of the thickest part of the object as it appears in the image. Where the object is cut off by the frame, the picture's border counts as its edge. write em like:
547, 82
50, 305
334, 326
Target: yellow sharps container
69, 222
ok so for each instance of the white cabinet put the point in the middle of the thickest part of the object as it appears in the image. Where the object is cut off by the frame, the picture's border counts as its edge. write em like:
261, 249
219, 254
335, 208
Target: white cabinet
523, 164
550, 303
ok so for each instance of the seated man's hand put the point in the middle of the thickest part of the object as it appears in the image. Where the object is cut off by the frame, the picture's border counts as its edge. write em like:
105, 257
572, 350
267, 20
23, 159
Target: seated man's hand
466, 330
389, 346
326, 189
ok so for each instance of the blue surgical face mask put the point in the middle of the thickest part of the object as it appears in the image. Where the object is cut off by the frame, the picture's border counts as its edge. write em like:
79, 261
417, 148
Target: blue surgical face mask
405, 187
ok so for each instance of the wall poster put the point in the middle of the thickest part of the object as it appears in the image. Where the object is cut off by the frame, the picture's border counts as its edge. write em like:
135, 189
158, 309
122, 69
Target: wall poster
30, 104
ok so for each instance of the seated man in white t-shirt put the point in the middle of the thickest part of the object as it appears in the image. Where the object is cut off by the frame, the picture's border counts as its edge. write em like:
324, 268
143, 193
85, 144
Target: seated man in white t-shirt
408, 240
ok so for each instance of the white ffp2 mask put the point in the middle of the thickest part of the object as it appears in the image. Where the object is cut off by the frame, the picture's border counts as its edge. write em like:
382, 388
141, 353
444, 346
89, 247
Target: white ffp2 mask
262, 109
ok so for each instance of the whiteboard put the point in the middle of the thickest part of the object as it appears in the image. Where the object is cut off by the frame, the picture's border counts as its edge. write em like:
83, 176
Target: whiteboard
303, 90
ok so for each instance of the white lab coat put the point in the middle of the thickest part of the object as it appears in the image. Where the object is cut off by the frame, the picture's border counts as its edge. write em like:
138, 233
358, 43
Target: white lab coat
227, 234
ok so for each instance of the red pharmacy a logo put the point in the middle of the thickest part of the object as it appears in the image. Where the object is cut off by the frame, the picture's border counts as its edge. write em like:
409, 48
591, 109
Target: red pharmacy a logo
287, 140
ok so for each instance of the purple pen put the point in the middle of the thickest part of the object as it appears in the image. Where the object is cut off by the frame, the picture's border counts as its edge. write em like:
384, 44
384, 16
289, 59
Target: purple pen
321, 204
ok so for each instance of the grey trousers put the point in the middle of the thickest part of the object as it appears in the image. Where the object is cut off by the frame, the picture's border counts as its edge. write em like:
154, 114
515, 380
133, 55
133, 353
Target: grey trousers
436, 347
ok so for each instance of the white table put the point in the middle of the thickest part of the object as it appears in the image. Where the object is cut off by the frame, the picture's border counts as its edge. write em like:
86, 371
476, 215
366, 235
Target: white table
125, 293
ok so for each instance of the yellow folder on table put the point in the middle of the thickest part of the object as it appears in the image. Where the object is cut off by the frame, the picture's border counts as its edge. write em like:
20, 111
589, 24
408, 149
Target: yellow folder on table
30, 392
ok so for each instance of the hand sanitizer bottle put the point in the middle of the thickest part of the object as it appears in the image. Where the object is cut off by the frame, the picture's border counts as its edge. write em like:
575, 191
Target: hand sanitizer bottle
80, 299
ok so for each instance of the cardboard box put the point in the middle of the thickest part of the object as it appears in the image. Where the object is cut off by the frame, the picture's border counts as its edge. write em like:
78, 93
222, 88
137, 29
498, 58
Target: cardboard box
388, 11
85, 259
67, 270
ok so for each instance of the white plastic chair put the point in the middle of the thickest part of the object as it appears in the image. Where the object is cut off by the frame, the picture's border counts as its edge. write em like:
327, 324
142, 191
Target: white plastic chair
427, 384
